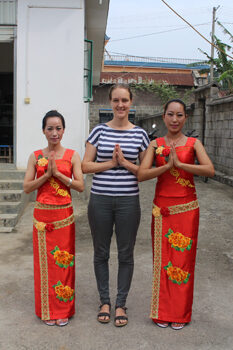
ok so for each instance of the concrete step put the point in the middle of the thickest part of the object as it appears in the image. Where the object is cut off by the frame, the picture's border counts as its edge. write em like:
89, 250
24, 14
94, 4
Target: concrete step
10, 207
6, 229
11, 174
11, 195
11, 184
8, 220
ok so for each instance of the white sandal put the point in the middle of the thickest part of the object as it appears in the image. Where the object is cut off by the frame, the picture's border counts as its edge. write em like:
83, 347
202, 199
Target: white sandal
162, 325
49, 322
62, 322
176, 325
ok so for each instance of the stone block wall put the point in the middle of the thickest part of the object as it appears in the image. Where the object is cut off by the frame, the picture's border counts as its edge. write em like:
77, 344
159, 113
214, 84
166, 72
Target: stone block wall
219, 133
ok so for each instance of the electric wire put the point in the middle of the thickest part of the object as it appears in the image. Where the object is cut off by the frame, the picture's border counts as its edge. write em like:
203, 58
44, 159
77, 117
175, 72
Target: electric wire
218, 48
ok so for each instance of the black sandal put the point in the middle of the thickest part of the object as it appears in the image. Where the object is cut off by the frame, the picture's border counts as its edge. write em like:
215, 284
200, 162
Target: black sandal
119, 318
104, 314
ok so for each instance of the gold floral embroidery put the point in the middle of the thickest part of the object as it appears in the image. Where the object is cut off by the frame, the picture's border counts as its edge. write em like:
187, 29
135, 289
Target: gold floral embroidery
176, 274
62, 257
42, 161
40, 226
178, 241
156, 211
64, 293
60, 191
159, 150
179, 180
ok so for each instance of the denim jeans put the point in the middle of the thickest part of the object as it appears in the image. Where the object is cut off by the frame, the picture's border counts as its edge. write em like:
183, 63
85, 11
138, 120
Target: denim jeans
103, 213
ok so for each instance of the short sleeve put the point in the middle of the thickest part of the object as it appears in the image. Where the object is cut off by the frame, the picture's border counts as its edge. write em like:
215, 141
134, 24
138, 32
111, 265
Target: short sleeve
94, 135
145, 141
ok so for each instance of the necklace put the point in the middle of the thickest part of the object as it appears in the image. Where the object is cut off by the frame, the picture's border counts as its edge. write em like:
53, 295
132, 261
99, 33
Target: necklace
174, 142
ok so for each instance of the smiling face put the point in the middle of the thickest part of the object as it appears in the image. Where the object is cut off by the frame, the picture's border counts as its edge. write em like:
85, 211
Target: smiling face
174, 117
120, 103
53, 130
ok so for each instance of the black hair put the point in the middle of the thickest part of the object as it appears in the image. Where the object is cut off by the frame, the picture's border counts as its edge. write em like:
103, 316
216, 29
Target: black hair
53, 113
120, 86
177, 100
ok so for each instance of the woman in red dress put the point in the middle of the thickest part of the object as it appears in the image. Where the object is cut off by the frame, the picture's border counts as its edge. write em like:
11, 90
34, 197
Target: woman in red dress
175, 216
53, 171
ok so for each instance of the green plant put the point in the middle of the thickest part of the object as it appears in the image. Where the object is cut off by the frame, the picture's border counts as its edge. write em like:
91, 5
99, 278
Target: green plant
223, 66
161, 89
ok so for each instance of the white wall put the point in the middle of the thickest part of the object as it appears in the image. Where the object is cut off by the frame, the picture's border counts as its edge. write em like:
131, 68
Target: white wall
50, 58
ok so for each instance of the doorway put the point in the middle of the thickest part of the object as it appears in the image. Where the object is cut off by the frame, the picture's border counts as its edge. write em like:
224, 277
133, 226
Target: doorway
6, 101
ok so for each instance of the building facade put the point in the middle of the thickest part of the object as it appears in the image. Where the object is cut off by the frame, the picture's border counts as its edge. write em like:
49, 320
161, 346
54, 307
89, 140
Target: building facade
46, 63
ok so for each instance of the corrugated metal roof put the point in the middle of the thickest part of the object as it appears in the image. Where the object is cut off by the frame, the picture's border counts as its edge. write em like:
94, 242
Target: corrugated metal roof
177, 79
154, 64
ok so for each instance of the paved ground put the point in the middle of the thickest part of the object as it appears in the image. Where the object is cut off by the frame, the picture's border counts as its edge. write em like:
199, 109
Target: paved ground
212, 322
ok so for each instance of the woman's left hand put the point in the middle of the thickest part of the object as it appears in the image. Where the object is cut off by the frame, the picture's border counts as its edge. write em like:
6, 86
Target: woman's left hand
120, 156
177, 163
53, 163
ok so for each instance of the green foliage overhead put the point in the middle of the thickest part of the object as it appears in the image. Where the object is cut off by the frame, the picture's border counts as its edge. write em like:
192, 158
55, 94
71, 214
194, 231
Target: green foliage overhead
161, 89
223, 66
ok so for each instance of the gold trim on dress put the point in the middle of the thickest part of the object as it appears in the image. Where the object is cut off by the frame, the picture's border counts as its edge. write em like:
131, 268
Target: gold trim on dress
39, 205
44, 284
175, 209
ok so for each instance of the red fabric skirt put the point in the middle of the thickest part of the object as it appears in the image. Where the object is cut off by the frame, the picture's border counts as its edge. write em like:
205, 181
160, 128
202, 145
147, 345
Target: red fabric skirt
54, 268
174, 232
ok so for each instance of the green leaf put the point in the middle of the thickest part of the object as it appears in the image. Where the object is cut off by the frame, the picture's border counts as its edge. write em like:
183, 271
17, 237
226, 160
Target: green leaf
71, 298
72, 263
182, 249
65, 266
60, 298
60, 265
54, 250
40, 156
167, 235
65, 300
170, 231
59, 283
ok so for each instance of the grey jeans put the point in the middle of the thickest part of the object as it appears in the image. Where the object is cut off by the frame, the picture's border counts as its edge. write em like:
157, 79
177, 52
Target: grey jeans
103, 213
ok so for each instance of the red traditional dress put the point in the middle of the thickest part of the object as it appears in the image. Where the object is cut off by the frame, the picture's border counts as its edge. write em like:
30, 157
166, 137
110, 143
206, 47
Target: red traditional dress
54, 243
174, 231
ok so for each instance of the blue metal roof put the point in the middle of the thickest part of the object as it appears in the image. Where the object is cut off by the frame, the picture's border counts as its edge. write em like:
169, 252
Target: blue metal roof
155, 65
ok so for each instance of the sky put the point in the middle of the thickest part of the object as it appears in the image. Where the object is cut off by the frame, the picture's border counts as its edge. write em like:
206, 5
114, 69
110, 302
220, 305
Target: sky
159, 32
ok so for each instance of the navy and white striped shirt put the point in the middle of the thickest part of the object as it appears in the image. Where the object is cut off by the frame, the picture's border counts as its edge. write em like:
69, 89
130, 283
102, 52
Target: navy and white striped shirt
117, 181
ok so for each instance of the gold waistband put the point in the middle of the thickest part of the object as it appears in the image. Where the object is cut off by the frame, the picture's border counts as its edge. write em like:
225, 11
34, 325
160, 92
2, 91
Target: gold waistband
39, 205
41, 226
179, 208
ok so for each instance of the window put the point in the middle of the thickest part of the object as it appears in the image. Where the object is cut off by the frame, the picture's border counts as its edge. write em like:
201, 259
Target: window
88, 70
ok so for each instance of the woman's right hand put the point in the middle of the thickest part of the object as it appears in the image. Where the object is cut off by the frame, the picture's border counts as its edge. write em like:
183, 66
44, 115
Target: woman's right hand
170, 162
114, 157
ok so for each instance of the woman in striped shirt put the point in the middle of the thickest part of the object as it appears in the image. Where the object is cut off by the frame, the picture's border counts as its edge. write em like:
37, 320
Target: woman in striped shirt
112, 151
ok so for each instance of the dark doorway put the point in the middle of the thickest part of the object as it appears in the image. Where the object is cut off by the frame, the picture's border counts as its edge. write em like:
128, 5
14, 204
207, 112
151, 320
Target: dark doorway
6, 102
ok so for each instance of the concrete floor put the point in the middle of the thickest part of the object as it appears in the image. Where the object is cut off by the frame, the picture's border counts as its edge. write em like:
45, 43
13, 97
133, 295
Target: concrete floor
212, 320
